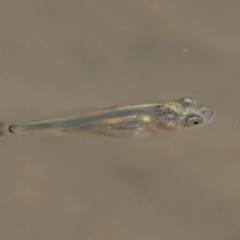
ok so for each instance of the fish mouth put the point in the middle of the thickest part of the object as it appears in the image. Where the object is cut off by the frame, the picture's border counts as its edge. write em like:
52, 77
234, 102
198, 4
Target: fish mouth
208, 114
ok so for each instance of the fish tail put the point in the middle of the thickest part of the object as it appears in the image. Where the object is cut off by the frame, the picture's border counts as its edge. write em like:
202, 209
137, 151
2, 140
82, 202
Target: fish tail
5, 129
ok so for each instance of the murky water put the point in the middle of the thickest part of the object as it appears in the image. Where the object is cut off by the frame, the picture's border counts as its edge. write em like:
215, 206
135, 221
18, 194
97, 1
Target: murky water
59, 56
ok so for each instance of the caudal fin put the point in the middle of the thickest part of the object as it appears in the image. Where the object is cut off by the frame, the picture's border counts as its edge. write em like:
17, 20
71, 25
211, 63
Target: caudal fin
4, 129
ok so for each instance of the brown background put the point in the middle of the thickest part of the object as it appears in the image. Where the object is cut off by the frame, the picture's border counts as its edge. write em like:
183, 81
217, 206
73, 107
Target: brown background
59, 56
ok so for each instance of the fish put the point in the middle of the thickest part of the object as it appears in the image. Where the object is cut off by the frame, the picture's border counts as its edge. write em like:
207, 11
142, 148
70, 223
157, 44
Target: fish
126, 121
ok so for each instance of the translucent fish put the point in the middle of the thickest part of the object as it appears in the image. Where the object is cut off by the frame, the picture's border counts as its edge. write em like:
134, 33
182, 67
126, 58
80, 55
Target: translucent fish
126, 121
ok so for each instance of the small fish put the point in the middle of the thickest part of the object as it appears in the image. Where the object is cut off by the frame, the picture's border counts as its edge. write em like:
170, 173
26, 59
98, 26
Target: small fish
126, 121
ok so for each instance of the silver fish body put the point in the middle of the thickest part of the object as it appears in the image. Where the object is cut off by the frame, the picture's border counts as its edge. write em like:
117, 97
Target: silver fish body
126, 121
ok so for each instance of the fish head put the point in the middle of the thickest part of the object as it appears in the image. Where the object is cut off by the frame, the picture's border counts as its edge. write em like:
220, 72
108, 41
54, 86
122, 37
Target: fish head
182, 113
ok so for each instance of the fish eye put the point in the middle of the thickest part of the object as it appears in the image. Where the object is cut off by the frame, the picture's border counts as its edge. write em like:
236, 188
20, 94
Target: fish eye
194, 120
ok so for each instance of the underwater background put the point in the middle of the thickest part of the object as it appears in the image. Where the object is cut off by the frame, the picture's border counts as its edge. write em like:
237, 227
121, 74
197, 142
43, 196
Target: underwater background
60, 56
